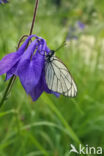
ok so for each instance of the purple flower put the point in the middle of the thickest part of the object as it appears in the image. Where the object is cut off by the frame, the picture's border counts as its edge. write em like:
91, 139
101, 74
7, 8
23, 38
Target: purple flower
29, 67
3, 1
80, 25
75, 30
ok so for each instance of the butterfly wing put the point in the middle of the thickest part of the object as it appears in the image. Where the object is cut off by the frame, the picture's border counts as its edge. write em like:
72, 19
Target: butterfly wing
58, 78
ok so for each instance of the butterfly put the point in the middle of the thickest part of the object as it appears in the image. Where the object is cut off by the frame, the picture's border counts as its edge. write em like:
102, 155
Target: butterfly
58, 78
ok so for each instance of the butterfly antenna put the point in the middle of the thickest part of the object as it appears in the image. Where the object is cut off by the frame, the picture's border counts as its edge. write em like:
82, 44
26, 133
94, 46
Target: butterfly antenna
62, 45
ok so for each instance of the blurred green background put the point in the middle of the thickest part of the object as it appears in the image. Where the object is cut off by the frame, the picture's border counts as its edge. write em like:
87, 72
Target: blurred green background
49, 125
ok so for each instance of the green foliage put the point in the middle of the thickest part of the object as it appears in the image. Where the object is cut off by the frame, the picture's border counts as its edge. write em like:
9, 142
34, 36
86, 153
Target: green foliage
49, 125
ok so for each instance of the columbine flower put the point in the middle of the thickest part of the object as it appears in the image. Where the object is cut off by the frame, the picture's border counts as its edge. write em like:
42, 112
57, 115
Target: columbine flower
3, 1
28, 66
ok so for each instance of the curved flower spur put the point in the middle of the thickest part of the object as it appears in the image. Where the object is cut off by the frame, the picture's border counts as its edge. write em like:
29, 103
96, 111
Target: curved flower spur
29, 67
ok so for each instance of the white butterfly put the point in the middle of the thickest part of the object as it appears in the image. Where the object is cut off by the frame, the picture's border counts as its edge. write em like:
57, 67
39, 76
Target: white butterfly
57, 76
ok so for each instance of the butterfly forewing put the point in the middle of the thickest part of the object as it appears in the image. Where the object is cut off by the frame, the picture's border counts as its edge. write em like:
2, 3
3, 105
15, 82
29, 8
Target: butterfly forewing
58, 78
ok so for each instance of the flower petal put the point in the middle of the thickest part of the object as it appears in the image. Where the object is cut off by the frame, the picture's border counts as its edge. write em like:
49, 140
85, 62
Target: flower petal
29, 70
37, 91
11, 59
11, 72
7, 62
40, 88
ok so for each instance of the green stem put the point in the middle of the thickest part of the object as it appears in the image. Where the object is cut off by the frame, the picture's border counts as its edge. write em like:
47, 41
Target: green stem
34, 16
11, 82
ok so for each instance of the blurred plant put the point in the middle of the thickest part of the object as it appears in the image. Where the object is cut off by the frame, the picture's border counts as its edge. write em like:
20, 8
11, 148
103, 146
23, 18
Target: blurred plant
75, 30
80, 25
57, 2
3, 1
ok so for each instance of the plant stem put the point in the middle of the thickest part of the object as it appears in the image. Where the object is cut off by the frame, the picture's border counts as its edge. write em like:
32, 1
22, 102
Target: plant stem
12, 80
34, 16
21, 39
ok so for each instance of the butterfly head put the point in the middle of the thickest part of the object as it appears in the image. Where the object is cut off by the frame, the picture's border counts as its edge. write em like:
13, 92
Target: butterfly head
50, 55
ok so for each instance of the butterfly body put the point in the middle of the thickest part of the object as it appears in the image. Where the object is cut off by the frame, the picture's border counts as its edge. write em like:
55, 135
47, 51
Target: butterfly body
58, 78
50, 56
